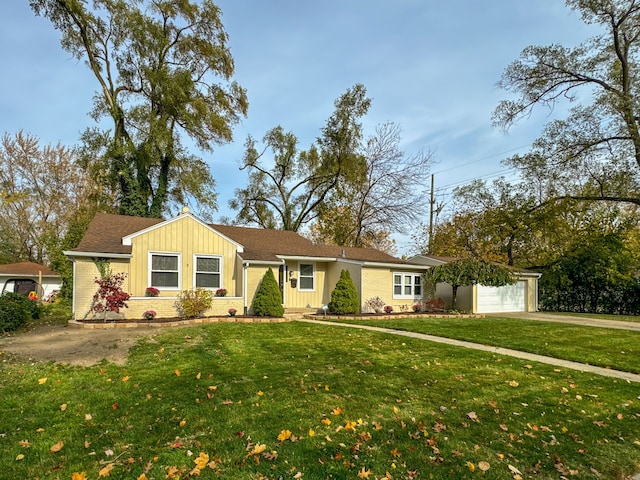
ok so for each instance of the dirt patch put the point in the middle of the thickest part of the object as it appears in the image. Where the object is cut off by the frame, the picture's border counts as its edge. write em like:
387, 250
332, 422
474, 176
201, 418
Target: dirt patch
74, 346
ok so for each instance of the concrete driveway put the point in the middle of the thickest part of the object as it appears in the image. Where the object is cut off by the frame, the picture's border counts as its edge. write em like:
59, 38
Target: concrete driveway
585, 321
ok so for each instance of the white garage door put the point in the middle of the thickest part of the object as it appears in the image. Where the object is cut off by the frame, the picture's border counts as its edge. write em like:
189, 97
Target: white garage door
510, 298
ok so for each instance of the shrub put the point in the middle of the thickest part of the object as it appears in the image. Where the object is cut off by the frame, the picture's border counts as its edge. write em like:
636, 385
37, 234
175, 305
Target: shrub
388, 309
374, 305
268, 299
149, 315
435, 304
193, 303
110, 296
14, 312
232, 312
344, 297
417, 307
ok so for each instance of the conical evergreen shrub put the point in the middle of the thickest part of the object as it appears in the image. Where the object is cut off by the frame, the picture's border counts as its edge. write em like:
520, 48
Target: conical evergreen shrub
344, 297
268, 299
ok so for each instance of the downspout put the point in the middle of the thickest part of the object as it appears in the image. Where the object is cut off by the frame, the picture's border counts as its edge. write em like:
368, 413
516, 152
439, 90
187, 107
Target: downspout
245, 267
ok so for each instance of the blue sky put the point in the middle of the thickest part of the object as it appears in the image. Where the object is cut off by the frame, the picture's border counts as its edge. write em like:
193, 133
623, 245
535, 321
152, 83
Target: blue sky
429, 66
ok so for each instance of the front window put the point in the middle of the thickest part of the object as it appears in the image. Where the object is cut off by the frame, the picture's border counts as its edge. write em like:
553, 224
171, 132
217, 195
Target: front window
307, 276
165, 270
407, 285
208, 272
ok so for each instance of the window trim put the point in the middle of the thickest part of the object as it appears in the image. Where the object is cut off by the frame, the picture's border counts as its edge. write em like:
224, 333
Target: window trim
179, 271
312, 276
403, 285
219, 272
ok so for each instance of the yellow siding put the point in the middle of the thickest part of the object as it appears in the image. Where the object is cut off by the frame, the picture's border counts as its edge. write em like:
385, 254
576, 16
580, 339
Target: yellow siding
85, 287
187, 237
296, 298
377, 282
354, 269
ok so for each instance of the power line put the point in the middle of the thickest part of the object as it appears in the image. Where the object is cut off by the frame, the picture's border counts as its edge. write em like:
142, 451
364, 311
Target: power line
482, 159
481, 177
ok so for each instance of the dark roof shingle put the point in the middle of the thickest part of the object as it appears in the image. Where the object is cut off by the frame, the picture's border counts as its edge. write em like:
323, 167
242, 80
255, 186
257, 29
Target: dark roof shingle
106, 231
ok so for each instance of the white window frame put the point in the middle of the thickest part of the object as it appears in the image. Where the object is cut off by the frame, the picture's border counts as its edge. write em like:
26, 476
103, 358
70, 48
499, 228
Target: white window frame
196, 256
404, 284
312, 276
179, 271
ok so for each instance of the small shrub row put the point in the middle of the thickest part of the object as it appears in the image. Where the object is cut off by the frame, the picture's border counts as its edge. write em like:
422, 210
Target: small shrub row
16, 310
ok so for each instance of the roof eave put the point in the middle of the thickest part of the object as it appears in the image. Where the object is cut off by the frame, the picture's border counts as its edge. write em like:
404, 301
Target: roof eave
72, 254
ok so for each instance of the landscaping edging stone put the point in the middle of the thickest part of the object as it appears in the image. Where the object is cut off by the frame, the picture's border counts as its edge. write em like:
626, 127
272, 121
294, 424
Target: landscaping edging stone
392, 316
177, 323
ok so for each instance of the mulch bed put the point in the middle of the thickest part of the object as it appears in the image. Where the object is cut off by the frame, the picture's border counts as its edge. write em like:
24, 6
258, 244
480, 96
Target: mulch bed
212, 319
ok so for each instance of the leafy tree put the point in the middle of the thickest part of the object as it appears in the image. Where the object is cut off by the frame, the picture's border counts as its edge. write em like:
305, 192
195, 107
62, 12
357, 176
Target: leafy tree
344, 297
387, 196
597, 276
470, 271
594, 153
163, 70
288, 194
43, 189
268, 299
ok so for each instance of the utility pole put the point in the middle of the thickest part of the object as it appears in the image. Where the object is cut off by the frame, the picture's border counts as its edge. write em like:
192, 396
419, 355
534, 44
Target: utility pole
431, 205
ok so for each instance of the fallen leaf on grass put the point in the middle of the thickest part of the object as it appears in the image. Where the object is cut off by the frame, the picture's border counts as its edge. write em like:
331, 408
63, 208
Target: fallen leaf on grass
19, 457
56, 447
284, 435
473, 416
364, 473
24, 443
105, 472
63, 407
484, 466
513, 383
42, 381
471, 466
78, 476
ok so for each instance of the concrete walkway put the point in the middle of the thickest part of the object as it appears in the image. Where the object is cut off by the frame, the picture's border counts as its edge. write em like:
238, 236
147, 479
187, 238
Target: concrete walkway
582, 367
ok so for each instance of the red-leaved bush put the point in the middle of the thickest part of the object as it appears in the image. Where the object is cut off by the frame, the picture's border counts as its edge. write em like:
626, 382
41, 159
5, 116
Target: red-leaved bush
110, 296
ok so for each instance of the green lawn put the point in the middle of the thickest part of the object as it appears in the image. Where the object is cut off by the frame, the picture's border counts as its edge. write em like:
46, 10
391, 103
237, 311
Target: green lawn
294, 400
605, 347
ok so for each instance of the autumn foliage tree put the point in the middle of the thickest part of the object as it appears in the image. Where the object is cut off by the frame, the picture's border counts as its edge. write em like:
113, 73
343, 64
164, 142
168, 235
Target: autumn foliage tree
46, 202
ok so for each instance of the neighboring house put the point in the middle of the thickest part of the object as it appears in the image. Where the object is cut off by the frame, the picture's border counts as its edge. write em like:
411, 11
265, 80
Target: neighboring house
184, 252
522, 296
27, 277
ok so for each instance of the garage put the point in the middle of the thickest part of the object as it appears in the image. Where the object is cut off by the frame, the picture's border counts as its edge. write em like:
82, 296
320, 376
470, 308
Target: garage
510, 298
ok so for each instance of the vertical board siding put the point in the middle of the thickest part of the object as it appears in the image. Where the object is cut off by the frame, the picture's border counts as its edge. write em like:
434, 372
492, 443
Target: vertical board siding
294, 298
187, 237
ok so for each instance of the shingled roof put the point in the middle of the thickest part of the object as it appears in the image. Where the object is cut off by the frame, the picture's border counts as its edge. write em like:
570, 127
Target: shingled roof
106, 231
29, 269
